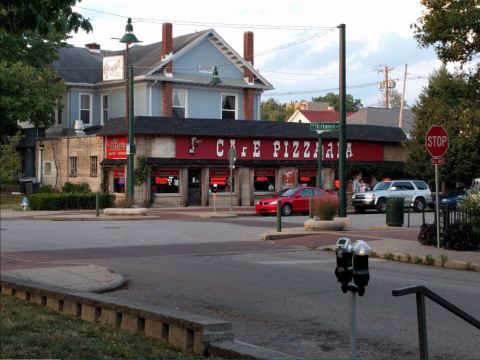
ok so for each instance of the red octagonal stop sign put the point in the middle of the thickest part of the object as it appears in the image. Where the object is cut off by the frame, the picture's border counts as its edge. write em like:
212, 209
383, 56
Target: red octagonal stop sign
436, 141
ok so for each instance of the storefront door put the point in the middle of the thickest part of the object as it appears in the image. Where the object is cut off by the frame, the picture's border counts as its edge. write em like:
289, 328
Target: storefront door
194, 188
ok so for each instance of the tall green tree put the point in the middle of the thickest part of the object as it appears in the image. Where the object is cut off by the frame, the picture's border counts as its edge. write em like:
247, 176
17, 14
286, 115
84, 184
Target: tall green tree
451, 101
452, 27
10, 161
30, 34
272, 110
351, 104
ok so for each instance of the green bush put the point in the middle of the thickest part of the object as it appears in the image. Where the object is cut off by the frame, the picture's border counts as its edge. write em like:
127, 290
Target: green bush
46, 189
57, 201
69, 187
470, 205
326, 209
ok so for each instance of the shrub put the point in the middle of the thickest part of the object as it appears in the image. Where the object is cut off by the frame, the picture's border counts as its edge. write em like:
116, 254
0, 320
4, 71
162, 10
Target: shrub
428, 234
69, 187
460, 236
388, 256
57, 201
46, 189
443, 259
418, 260
326, 209
470, 205
429, 260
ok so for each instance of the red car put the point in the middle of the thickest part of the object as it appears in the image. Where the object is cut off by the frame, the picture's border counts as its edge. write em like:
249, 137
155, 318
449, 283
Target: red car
294, 200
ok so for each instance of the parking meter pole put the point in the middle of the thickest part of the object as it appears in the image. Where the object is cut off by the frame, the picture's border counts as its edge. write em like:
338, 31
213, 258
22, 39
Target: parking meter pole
437, 205
231, 183
279, 216
97, 204
353, 324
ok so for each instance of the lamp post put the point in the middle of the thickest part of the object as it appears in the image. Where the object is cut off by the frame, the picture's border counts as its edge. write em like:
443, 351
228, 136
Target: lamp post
129, 38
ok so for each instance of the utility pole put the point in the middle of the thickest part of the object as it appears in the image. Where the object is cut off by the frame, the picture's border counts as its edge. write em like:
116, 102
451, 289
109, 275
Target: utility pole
400, 115
386, 84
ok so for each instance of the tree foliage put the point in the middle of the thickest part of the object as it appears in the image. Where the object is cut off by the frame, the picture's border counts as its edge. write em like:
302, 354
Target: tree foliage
451, 101
272, 110
10, 161
31, 33
351, 104
452, 27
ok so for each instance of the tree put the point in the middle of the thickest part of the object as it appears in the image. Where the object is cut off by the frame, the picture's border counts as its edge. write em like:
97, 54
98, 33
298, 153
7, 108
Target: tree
351, 104
394, 99
451, 101
10, 161
31, 32
272, 110
452, 27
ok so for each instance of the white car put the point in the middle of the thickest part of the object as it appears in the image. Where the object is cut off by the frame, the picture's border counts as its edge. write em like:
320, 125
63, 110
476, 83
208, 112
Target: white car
415, 193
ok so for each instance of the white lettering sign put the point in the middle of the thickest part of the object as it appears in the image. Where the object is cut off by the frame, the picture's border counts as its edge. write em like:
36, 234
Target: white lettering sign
113, 68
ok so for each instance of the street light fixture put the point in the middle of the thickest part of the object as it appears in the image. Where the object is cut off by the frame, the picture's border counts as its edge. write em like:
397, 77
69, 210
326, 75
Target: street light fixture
129, 38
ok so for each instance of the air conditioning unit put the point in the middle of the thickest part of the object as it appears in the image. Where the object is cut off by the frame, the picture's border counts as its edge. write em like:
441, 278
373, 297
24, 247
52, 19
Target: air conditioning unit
78, 127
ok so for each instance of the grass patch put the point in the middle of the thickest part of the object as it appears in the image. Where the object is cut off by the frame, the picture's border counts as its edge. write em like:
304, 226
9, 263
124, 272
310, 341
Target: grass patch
429, 260
469, 266
8, 201
388, 256
418, 260
30, 331
409, 257
443, 259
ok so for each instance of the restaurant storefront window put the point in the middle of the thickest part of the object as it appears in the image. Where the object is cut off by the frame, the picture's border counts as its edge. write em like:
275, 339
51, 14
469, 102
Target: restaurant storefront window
165, 181
221, 177
264, 180
118, 180
307, 177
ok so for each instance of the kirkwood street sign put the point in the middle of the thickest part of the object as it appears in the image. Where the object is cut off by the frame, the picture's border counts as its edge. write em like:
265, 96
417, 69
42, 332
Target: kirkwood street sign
324, 126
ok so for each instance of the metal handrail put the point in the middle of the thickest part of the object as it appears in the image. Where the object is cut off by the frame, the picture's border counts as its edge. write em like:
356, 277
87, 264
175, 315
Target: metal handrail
421, 292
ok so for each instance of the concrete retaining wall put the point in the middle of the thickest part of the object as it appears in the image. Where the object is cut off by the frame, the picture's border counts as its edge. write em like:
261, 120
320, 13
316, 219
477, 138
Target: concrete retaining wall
182, 330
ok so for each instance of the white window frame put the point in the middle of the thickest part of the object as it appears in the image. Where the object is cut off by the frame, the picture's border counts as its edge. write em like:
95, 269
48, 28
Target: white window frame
73, 167
236, 104
102, 116
185, 91
80, 107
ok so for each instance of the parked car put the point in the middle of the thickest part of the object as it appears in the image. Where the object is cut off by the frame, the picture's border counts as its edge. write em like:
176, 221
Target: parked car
415, 193
451, 200
293, 200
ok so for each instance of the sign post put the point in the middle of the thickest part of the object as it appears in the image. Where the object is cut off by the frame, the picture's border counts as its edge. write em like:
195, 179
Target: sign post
232, 157
436, 143
320, 128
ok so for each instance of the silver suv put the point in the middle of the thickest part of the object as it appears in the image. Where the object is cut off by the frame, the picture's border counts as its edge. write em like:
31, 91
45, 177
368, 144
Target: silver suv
415, 193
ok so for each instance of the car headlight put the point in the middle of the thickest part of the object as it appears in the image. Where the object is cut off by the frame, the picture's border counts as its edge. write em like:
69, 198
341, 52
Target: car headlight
444, 200
370, 196
274, 202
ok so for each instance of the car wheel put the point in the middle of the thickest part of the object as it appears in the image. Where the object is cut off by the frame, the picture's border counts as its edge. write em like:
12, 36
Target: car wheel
359, 209
381, 206
287, 210
419, 205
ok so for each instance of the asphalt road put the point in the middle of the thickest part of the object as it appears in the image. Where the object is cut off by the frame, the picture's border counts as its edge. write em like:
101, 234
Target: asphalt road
281, 297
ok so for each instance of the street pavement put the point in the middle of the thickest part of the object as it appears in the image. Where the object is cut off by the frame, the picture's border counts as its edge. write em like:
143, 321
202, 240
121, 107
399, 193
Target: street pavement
393, 243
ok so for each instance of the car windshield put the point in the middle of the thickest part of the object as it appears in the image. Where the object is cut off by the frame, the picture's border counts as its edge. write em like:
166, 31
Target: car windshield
382, 185
288, 192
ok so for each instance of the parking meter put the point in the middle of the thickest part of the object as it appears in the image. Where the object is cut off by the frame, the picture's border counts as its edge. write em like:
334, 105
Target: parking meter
361, 274
215, 188
344, 255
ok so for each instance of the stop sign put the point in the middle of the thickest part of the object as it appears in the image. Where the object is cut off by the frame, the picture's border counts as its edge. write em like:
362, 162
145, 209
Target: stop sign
436, 141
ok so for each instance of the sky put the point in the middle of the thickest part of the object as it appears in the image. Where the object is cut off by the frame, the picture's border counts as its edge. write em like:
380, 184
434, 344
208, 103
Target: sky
296, 42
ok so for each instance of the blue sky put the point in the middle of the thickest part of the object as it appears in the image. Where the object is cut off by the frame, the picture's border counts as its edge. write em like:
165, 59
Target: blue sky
377, 34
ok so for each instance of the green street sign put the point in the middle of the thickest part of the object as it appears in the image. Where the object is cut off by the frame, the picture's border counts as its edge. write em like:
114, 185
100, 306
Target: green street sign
324, 126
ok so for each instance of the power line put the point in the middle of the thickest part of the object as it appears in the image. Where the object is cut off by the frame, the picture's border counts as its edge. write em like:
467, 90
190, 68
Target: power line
215, 24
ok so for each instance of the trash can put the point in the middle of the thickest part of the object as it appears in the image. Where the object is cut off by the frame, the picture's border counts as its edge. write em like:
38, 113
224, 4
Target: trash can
395, 211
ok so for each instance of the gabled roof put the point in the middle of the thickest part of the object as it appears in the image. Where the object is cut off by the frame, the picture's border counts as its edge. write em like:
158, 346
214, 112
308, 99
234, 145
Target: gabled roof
150, 125
81, 66
315, 116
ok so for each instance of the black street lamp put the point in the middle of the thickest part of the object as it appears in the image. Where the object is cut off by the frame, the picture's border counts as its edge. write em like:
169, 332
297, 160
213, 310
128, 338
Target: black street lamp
129, 38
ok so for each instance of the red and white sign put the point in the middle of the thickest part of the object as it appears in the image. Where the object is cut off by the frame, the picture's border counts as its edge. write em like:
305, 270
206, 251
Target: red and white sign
437, 161
436, 141
273, 149
116, 147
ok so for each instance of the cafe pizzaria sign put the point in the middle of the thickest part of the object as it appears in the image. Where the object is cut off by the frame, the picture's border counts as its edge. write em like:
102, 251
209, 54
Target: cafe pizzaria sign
116, 147
273, 149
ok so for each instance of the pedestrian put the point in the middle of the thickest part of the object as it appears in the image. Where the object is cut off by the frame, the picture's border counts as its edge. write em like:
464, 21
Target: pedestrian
337, 184
363, 186
356, 184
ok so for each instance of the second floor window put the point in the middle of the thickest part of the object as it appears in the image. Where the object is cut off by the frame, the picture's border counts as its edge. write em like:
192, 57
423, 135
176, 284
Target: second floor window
104, 109
179, 103
73, 166
93, 165
229, 107
85, 108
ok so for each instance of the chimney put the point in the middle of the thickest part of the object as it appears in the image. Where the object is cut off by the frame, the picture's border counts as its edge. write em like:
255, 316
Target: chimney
93, 47
248, 74
167, 88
